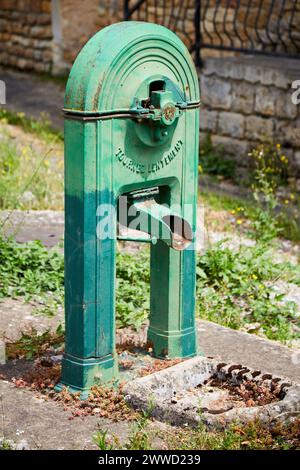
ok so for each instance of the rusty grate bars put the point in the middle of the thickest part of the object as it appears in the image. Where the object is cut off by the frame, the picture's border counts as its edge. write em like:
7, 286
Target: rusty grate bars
251, 27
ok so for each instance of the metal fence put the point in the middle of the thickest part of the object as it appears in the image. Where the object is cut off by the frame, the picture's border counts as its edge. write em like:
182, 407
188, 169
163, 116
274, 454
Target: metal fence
267, 27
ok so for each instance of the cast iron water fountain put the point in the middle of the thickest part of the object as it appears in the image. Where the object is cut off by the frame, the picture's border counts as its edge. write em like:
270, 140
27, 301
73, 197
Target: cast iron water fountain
131, 157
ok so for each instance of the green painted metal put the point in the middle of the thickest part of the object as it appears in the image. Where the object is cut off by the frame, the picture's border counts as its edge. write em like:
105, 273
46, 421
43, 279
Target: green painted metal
131, 124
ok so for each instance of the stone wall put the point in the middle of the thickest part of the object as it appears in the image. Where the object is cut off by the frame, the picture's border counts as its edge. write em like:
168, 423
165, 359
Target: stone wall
46, 35
26, 34
247, 101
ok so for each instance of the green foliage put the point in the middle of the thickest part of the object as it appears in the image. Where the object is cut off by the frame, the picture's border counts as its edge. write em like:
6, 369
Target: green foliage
133, 289
33, 271
30, 270
269, 172
33, 344
41, 127
235, 290
268, 163
6, 444
139, 438
236, 437
102, 440
213, 161
29, 180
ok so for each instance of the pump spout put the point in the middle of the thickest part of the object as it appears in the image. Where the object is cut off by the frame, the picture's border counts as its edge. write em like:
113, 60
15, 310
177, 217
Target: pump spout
159, 222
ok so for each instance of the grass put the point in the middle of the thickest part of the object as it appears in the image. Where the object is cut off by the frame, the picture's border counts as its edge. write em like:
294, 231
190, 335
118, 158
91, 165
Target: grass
237, 437
247, 212
31, 178
32, 271
233, 288
213, 161
252, 436
34, 180
33, 344
273, 206
41, 127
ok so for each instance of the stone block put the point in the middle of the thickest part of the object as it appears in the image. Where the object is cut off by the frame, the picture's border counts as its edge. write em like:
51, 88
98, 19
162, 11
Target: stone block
258, 128
238, 149
253, 73
42, 32
41, 43
265, 100
36, 5
211, 66
203, 137
215, 92
22, 63
231, 124
23, 41
287, 132
297, 158
23, 5
285, 108
208, 120
46, 6
8, 4
243, 97
43, 19
42, 67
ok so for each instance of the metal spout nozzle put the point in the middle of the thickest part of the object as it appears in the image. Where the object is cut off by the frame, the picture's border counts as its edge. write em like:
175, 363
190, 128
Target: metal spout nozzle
160, 223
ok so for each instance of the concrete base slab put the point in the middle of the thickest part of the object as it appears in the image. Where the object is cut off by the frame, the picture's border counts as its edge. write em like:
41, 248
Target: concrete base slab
16, 317
41, 424
214, 340
243, 348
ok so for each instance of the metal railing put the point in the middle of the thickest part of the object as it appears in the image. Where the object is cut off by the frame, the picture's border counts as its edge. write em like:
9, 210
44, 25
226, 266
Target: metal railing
266, 27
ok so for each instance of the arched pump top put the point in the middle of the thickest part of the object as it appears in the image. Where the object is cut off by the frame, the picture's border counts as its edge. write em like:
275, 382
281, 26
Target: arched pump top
118, 59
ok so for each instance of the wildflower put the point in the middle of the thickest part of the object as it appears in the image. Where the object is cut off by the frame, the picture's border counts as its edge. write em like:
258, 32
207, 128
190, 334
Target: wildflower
254, 276
278, 146
292, 197
286, 201
239, 221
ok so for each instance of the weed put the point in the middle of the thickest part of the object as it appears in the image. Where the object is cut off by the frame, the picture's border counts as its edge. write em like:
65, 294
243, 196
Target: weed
133, 289
6, 444
232, 290
33, 344
30, 270
271, 212
103, 441
212, 160
255, 222
139, 438
29, 180
236, 437
41, 127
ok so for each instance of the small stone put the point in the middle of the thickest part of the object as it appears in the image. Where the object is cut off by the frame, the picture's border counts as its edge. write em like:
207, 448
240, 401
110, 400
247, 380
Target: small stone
22, 445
